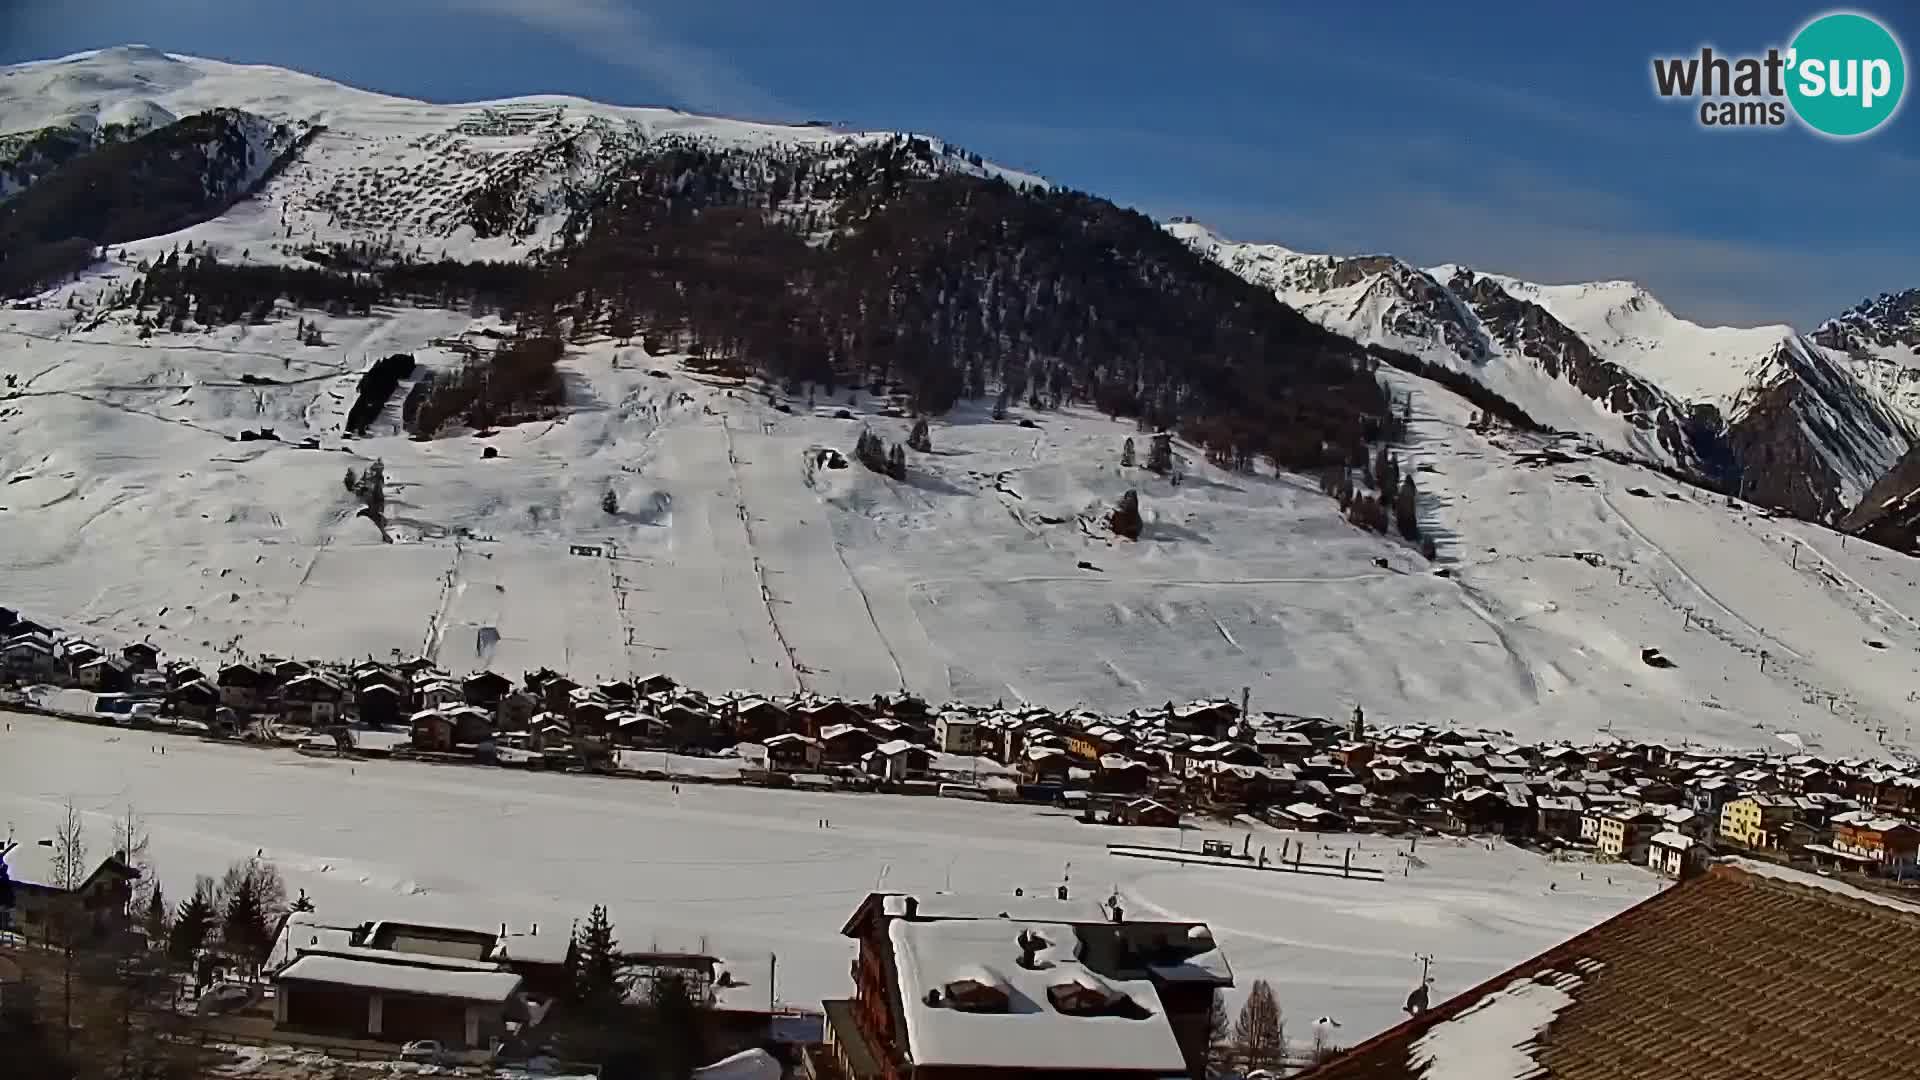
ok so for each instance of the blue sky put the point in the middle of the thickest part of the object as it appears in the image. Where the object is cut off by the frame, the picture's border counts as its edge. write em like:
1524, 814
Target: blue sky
1517, 137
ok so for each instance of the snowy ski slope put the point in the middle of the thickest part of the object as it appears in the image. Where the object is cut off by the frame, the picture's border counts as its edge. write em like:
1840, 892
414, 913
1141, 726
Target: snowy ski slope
747, 873
738, 559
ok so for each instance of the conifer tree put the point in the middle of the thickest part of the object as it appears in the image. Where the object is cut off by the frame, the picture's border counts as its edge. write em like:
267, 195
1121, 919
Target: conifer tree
155, 920
1125, 519
1406, 510
596, 975
1219, 1037
243, 923
193, 923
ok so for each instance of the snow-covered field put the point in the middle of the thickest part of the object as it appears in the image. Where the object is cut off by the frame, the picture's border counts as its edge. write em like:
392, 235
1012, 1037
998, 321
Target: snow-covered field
750, 872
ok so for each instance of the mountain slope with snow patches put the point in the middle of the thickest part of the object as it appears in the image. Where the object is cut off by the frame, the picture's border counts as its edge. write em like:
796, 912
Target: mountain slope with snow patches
744, 550
1804, 423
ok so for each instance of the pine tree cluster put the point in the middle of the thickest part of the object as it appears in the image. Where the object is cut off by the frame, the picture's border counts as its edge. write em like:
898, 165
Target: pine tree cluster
875, 453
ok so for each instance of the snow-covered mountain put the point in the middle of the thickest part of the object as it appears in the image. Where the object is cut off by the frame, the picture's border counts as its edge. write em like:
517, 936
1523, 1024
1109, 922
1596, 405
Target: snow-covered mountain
139, 497
1806, 423
481, 180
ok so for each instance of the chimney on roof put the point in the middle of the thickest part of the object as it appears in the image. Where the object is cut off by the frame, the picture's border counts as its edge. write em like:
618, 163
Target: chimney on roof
912, 904
1118, 915
1030, 945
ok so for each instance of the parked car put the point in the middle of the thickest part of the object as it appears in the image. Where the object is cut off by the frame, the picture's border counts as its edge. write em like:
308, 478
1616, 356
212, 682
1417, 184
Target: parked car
424, 1050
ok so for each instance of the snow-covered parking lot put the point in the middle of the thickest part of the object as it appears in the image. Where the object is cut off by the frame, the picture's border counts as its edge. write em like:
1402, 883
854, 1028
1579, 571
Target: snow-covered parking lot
751, 872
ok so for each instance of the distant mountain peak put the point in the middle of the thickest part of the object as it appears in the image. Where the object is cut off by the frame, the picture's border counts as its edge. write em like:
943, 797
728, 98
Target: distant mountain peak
1815, 420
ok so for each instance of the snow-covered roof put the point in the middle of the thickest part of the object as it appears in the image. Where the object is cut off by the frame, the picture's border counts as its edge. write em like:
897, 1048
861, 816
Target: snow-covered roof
1031, 1033
32, 862
1035, 904
305, 930
1497, 1038
754, 1064
1670, 839
532, 948
401, 978
1814, 881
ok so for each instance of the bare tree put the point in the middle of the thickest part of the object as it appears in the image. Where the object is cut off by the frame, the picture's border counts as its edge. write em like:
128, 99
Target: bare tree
1260, 1031
130, 842
69, 873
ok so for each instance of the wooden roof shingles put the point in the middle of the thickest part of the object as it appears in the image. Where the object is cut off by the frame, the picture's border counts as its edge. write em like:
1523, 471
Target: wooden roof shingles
1747, 972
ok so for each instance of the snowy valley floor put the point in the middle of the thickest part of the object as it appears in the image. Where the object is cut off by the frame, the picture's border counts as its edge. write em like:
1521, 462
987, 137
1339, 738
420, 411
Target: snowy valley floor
749, 872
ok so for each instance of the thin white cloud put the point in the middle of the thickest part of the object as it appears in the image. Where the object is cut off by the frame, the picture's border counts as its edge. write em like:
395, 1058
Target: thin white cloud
624, 35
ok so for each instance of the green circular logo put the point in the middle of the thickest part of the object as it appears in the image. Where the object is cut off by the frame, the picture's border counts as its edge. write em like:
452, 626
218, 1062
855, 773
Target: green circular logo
1846, 75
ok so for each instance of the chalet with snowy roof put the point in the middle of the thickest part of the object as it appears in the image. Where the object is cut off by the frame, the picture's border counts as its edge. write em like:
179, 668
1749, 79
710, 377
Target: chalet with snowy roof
1119, 774
756, 719
588, 711
685, 726
1149, 813
105, 674
1754, 821
485, 688
243, 687
555, 691
1686, 820
397, 994
898, 760
140, 656
39, 901
313, 699
472, 724
23, 626
654, 683
844, 744
432, 730
1674, 854
1045, 765
1625, 834
957, 733
1645, 995
950, 987
194, 700
1863, 840
379, 703
1466, 775
793, 752
30, 658
1557, 816
1709, 794
1308, 816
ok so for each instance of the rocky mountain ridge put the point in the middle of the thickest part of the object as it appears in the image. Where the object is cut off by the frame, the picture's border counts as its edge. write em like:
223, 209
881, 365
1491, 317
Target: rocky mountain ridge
1804, 423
